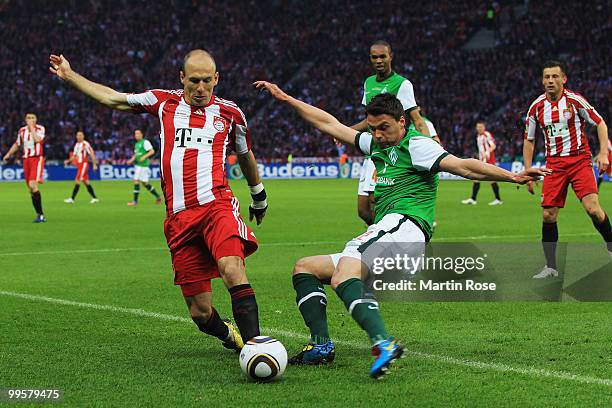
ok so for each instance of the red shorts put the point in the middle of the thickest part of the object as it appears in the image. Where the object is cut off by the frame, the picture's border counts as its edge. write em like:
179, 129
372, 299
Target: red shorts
82, 172
33, 168
198, 237
574, 170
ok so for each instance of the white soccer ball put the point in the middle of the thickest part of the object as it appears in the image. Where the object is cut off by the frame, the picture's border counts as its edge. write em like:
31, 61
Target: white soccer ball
263, 359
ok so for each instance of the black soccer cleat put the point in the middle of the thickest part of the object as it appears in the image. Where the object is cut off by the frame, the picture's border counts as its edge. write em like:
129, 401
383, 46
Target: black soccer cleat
315, 354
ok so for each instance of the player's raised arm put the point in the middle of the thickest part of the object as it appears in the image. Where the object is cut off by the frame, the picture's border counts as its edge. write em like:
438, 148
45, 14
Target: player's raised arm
477, 170
320, 119
60, 66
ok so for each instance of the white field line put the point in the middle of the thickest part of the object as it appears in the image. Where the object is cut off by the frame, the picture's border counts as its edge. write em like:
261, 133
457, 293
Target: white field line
276, 244
529, 371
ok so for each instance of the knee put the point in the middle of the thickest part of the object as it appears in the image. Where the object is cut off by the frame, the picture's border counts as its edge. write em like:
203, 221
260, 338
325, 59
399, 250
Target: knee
302, 266
549, 216
231, 268
336, 280
595, 212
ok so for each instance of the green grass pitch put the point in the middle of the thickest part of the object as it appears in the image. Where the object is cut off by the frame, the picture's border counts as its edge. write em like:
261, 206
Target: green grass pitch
87, 306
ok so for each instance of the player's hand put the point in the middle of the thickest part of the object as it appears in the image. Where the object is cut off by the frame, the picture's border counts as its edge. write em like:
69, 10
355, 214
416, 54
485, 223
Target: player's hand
66, 162
530, 187
274, 90
531, 174
95, 167
6, 157
59, 66
257, 213
258, 207
602, 163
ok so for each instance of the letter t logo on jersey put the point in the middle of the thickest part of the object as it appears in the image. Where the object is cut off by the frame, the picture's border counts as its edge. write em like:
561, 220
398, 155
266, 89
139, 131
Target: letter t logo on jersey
181, 136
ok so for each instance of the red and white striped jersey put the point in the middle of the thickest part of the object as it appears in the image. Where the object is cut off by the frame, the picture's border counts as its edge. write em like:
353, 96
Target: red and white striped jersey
486, 145
194, 142
82, 152
563, 123
26, 141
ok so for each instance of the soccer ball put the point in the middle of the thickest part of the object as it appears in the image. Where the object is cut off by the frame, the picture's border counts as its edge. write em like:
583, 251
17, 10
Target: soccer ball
263, 359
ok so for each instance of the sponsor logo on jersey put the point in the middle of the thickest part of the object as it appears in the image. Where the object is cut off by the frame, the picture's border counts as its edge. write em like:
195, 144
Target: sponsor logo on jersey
385, 180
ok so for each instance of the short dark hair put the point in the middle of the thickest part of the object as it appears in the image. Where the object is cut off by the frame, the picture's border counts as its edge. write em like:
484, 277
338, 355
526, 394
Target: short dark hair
198, 50
383, 43
552, 64
481, 121
385, 104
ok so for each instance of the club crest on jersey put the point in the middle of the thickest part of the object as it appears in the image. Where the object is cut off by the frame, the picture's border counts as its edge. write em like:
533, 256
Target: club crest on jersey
393, 156
219, 124
567, 113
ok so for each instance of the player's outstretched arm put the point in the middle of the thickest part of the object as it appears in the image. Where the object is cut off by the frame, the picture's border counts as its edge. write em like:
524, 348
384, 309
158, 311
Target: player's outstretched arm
602, 156
477, 170
11, 152
320, 119
60, 66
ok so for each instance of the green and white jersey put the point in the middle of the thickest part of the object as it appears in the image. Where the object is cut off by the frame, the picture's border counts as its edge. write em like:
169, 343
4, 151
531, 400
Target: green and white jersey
395, 84
140, 149
430, 126
406, 176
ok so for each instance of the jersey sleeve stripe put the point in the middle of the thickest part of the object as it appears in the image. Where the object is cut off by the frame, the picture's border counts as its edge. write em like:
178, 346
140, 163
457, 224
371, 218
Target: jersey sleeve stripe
435, 167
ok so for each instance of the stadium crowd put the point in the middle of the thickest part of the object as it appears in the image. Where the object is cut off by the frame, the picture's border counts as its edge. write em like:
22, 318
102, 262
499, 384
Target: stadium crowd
317, 49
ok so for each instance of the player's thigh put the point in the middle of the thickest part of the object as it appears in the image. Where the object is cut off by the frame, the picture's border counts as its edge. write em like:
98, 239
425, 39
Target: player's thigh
321, 266
225, 232
363, 246
583, 179
554, 189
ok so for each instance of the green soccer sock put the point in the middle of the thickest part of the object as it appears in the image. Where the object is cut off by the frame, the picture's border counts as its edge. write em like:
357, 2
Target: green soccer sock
364, 311
312, 303
136, 192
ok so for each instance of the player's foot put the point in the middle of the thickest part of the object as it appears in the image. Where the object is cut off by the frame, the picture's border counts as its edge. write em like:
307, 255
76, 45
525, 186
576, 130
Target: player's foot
234, 339
496, 202
315, 354
40, 218
386, 352
158, 201
546, 272
69, 200
132, 203
94, 200
469, 201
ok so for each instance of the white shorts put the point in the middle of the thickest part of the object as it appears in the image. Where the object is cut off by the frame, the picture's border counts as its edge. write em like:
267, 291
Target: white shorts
367, 178
142, 174
393, 228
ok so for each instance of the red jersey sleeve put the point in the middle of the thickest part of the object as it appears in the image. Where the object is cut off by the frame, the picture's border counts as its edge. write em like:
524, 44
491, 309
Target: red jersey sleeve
585, 109
18, 141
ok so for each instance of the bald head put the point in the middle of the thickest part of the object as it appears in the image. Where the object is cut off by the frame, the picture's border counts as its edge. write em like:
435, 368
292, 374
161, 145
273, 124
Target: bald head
199, 77
198, 57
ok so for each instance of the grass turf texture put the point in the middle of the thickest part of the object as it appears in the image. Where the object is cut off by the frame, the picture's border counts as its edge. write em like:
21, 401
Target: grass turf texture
111, 358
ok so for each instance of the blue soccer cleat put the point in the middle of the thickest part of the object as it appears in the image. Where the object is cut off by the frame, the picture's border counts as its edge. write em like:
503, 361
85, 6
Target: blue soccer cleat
315, 354
387, 351
40, 218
